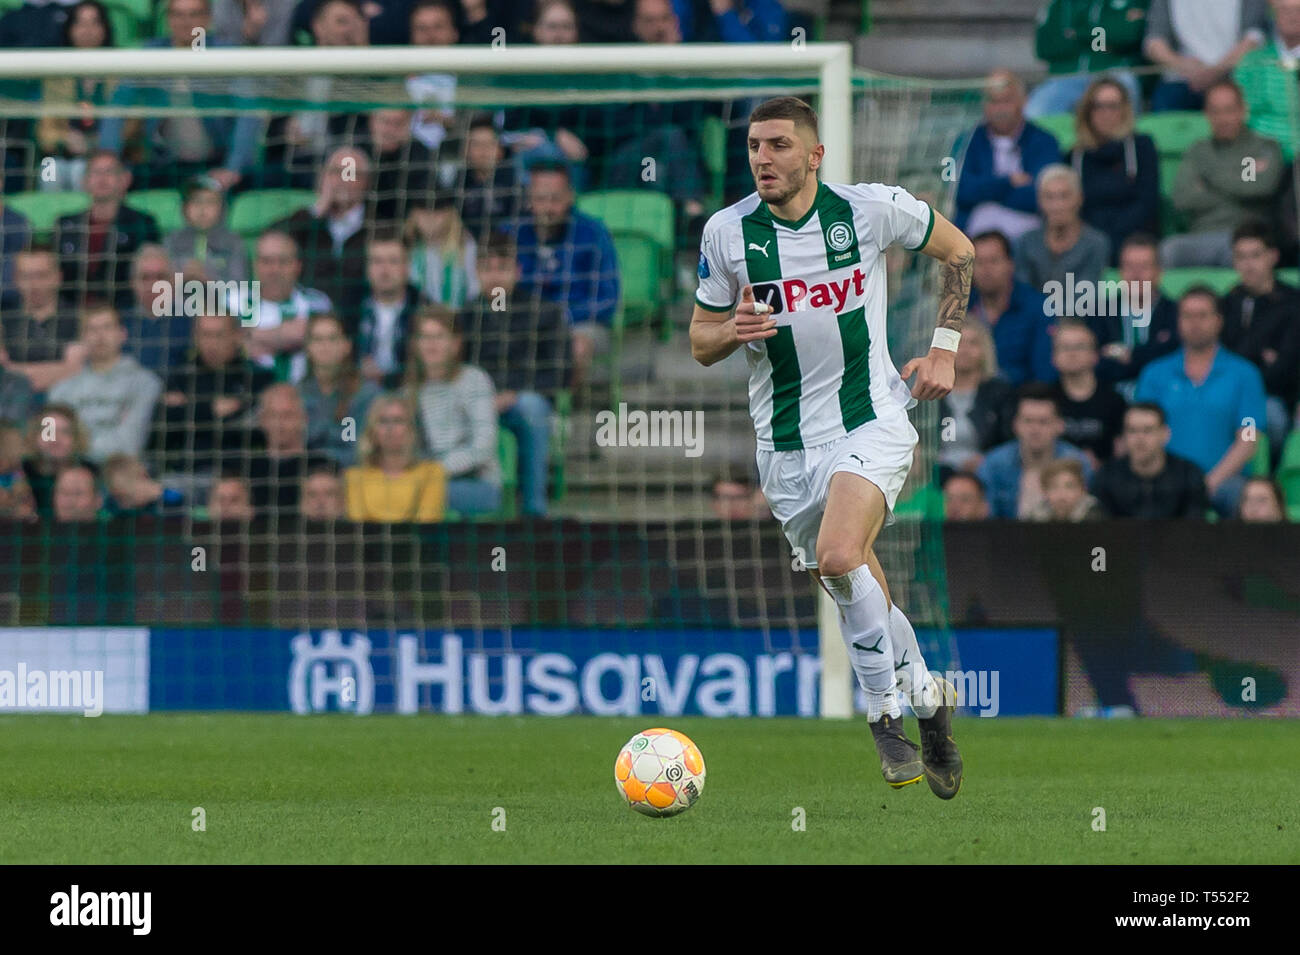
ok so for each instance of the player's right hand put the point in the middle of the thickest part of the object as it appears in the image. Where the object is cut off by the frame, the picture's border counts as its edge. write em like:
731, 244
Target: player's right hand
754, 320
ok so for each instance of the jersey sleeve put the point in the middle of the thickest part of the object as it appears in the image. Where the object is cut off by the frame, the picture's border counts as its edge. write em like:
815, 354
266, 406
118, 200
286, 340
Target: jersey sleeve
719, 286
895, 216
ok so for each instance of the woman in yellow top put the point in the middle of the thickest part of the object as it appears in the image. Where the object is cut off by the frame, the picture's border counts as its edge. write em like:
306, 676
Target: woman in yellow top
392, 485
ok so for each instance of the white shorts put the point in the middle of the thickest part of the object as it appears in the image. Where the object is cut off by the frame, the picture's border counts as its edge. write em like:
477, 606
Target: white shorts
795, 483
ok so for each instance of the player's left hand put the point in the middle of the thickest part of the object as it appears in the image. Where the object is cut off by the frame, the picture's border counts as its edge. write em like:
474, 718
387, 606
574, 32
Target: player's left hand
935, 374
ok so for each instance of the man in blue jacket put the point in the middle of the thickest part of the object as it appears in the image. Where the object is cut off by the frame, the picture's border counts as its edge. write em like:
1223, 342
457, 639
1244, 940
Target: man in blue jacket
1010, 471
569, 258
1002, 161
1015, 313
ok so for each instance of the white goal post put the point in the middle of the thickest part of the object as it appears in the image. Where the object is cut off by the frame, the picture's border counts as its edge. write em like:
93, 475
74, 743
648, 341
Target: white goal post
830, 63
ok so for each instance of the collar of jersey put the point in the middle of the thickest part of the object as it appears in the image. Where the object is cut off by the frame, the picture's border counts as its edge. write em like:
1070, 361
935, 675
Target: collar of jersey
802, 221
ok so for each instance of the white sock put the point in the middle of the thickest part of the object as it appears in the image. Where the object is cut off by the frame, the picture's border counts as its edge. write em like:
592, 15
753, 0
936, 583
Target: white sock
864, 624
914, 680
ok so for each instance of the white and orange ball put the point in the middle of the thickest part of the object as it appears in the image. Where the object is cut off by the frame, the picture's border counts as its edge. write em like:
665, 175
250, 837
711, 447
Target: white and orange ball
660, 772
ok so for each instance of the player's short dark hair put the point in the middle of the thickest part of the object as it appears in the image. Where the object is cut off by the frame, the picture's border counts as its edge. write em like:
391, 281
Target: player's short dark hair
1151, 408
1037, 391
1255, 229
787, 107
966, 476
1201, 290
993, 235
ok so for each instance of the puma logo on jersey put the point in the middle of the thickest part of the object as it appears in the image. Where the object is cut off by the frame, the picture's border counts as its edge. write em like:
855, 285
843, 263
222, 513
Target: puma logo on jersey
858, 458
761, 248
874, 649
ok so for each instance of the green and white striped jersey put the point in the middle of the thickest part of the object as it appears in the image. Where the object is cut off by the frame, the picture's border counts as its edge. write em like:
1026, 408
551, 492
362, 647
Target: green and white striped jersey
827, 370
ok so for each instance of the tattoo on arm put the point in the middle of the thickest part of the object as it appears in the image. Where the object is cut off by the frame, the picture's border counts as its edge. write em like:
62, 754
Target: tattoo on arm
956, 291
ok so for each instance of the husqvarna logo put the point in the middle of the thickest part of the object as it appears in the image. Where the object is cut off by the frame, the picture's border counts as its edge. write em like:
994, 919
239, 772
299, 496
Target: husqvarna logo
351, 682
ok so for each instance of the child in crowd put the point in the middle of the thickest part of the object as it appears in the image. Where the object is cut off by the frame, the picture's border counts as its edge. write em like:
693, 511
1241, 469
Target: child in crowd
16, 501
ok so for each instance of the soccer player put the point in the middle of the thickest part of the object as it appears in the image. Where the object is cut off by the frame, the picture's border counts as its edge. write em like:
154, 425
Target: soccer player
794, 274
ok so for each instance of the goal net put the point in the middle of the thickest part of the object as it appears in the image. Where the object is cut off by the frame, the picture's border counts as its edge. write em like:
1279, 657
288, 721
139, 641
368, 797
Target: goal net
632, 571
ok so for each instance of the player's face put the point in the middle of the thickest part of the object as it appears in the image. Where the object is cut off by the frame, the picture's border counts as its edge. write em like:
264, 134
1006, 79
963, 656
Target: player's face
780, 159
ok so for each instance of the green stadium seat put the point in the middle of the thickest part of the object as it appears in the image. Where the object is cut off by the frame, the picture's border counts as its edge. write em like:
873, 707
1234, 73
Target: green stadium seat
508, 455
639, 277
713, 149
1060, 125
43, 209
1261, 464
128, 31
559, 443
1289, 276
640, 298
253, 212
636, 211
163, 204
1174, 132
1178, 281
1288, 474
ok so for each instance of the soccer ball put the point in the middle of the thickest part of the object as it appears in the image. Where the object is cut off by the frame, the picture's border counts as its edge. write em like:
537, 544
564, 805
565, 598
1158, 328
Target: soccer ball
660, 772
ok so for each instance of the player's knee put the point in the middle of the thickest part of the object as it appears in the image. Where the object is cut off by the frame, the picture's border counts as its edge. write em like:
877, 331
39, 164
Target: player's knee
835, 560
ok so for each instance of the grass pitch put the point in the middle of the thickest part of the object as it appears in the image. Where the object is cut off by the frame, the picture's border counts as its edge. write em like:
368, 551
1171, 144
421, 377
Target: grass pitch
278, 788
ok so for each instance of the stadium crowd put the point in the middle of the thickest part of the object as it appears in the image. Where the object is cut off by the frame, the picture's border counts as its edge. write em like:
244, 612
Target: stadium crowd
437, 284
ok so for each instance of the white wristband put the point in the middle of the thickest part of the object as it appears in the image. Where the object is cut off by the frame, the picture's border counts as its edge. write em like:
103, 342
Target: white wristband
946, 339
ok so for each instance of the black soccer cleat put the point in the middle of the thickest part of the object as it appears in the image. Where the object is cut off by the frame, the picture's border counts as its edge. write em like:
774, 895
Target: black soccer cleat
939, 754
899, 761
